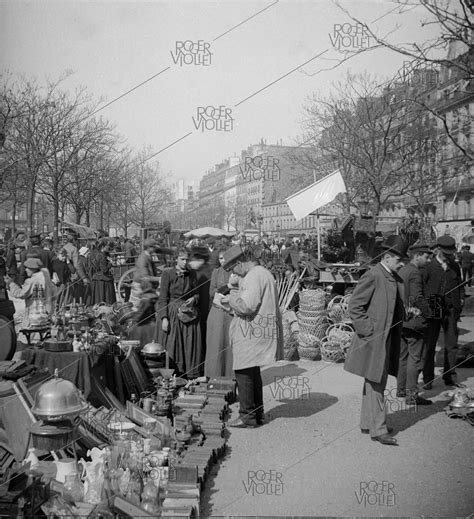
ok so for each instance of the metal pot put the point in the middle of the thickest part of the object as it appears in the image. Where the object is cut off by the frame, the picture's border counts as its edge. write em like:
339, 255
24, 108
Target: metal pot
58, 399
152, 350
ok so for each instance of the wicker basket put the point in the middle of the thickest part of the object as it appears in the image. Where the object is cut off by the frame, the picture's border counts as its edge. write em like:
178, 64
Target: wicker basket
308, 353
338, 309
331, 351
314, 299
316, 331
341, 333
308, 340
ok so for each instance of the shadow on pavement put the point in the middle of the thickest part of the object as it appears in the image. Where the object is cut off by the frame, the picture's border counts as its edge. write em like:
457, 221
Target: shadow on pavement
302, 406
270, 375
404, 418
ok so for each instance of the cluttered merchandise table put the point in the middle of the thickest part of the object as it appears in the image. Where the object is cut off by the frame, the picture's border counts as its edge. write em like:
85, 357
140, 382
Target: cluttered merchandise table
77, 367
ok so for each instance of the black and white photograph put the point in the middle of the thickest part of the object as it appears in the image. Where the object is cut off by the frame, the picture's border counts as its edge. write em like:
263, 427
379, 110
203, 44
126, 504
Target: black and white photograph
236, 258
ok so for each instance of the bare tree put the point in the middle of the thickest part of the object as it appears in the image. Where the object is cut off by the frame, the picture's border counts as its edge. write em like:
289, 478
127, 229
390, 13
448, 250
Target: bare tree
148, 191
360, 128
447, 60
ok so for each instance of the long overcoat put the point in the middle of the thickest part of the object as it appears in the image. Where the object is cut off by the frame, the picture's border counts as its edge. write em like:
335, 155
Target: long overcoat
377, 311
256, 332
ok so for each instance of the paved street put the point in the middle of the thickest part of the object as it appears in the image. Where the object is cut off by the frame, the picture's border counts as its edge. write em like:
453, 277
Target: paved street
323, 465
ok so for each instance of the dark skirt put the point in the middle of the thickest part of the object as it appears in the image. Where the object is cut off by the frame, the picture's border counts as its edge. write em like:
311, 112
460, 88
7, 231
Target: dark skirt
183, 343
219, 352
102, 292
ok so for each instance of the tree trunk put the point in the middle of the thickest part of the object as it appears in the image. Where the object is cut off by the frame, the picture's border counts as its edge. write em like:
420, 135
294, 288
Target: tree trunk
101, 214
30, 204
14, 217
125, 222
56, 218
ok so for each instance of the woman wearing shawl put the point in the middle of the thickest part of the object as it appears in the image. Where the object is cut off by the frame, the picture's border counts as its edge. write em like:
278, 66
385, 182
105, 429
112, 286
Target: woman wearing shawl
181, 335
102, 283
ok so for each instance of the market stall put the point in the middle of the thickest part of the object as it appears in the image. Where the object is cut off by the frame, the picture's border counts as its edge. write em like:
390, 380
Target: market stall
107, 428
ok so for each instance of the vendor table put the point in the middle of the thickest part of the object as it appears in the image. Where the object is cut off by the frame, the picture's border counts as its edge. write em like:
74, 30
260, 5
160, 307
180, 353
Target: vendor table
77, 367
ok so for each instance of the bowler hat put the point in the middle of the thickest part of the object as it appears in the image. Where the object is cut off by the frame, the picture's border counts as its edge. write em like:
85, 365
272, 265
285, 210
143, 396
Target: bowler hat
33, 263
396, 245
447, 244
232, 256
420, 248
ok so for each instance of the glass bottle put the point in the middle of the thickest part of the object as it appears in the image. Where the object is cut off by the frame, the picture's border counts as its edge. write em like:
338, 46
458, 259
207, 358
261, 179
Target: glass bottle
73, 488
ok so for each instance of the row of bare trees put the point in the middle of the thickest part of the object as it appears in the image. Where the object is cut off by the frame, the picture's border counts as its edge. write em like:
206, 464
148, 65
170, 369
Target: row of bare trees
55, 146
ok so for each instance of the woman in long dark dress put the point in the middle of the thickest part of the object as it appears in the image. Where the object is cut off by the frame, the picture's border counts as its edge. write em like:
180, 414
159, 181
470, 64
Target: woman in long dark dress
102, 280
199, 262
219, 352
182, 340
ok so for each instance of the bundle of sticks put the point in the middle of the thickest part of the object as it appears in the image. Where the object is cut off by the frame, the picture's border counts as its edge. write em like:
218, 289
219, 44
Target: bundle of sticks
287, 288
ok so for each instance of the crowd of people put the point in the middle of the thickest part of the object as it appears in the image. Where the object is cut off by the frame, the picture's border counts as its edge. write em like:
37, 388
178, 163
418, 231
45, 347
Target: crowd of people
216, 309
47, 277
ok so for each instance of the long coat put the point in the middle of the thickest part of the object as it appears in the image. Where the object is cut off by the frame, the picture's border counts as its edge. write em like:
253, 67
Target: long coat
445, 286
415, 297
183, 340
376, 310
218, 350
256, 332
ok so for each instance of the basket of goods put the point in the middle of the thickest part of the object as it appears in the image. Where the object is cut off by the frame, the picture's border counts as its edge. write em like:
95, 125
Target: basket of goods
313, 324
340, 334
309, 351
331, 350
313, 300
338, 309
308, 346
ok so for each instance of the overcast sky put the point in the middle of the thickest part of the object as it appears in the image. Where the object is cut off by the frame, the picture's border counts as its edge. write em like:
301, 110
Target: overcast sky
112, 46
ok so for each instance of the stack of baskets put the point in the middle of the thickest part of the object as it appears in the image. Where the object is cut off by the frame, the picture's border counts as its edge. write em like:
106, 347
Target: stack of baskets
312, 323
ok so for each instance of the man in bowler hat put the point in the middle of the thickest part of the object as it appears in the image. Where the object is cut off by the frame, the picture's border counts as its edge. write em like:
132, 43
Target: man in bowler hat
445, 295
414, 326
377, 311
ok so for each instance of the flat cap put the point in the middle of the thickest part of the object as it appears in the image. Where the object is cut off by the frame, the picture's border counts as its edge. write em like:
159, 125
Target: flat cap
33, 263
446, 244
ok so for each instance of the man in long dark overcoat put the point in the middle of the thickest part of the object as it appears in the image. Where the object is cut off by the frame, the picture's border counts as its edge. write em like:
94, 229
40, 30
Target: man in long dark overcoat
376, 309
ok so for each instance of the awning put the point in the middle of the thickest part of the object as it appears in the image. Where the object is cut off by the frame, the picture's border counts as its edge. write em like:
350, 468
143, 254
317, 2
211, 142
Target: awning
81, 230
